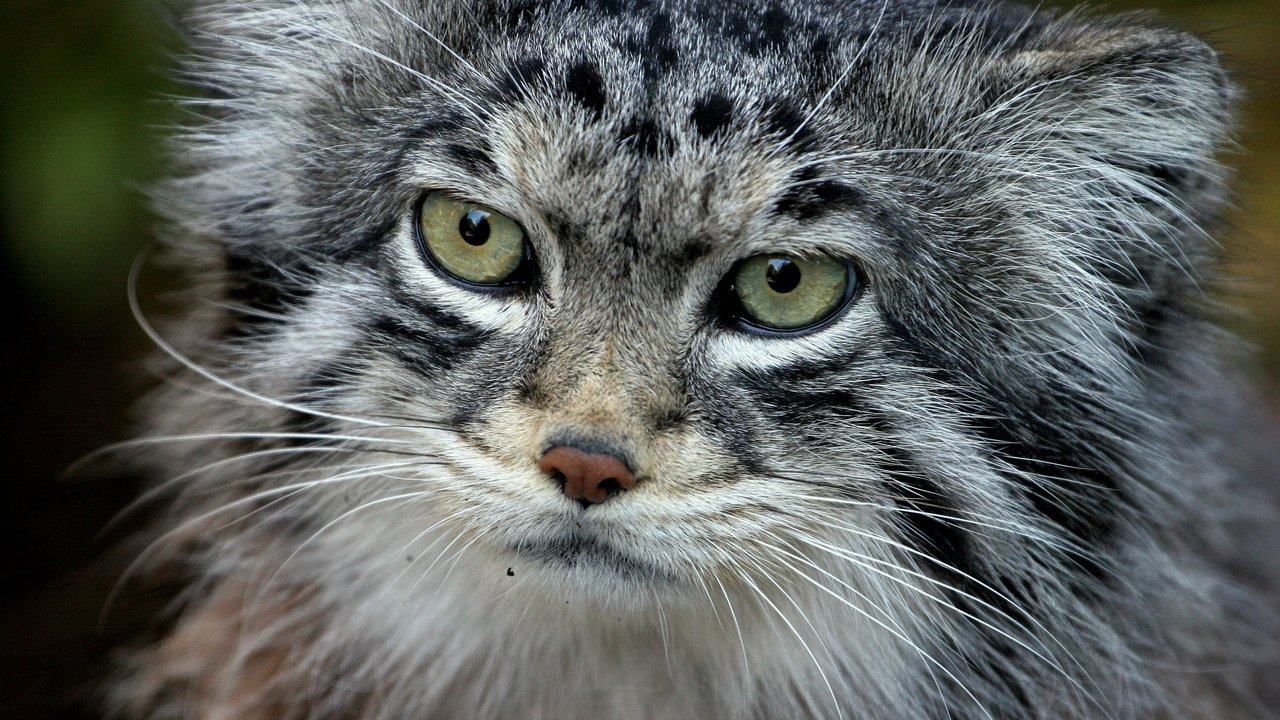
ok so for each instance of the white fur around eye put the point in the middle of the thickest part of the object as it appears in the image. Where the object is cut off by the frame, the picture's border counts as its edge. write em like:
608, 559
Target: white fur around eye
745, 350
497, 312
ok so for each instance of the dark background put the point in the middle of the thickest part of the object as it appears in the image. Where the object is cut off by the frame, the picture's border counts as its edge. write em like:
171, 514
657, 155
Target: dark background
82, 84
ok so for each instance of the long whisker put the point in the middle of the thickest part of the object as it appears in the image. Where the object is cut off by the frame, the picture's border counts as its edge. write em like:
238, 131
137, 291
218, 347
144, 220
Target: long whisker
466, 104
419, 28
835, 701
844, 75
896, 633
135, 443
286, 491
1004, 597
155, 492
733, 615
135, 307
403, 498
888, 617
868, 563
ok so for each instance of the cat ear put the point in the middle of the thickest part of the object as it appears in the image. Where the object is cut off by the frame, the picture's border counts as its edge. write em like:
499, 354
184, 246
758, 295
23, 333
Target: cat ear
1136, 113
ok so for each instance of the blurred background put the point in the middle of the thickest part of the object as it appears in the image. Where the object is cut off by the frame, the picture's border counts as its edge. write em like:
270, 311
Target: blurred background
82, 88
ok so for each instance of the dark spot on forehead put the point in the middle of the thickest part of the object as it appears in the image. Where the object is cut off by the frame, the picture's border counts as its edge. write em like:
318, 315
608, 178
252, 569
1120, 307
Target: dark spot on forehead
520, 15
712, 114
584, 84
773, 29
787, 124
658, 51
525, 74
644, 137
632, 241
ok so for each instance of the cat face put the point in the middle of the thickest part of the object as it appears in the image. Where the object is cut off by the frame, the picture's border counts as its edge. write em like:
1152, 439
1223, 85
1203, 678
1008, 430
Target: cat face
621, 331
1004, 242
846, 356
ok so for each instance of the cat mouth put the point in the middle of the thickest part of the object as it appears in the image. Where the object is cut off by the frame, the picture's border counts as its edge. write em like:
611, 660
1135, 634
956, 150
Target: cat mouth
579, 552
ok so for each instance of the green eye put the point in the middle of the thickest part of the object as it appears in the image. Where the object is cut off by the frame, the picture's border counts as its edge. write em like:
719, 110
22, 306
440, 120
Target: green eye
471, 242
779, 292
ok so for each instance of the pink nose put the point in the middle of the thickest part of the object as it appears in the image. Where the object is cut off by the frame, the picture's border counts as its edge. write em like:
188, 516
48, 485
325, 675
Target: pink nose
588, 477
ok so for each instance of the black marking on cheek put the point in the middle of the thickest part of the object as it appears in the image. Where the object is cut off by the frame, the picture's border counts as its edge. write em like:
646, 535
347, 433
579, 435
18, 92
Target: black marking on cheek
260, 291
794, 393
362, 238
584, 84
926, 517
437, 317
1059, 465
1067, 492
719, 411
712, 114
427, 352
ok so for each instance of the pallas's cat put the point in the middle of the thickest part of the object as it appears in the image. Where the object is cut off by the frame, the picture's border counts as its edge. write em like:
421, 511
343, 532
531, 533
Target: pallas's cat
696, 359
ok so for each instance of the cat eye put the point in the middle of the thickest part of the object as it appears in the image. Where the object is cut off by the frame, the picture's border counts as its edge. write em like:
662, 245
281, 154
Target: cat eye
791, 294
470, 242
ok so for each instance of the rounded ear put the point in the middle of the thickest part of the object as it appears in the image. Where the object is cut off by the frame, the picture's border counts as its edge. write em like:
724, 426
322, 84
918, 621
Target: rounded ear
1150, 108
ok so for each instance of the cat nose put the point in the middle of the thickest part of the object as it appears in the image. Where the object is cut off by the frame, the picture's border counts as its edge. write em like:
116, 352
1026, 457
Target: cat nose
586, 476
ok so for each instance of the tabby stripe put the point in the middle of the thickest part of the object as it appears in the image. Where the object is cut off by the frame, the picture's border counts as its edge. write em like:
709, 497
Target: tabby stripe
1071, 489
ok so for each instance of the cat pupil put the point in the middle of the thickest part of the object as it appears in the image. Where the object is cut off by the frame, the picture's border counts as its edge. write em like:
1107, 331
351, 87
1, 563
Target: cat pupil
782, 275
474, 228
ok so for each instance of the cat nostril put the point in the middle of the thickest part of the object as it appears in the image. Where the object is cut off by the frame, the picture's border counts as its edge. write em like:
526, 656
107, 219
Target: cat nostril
584, 476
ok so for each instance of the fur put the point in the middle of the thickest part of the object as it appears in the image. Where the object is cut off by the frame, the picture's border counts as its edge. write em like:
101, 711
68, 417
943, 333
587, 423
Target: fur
1004, 484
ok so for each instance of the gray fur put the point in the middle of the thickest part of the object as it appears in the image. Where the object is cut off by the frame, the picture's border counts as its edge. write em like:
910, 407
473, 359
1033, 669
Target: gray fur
1006, 483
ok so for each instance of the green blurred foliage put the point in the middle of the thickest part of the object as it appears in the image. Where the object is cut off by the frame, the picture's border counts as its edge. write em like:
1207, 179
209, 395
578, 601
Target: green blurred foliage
81, 85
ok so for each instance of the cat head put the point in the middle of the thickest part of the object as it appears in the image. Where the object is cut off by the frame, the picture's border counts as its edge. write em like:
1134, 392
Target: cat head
821, 281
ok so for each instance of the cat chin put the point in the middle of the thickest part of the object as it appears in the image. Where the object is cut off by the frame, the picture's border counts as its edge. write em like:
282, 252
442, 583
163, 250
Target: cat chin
577, 568
578, 553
